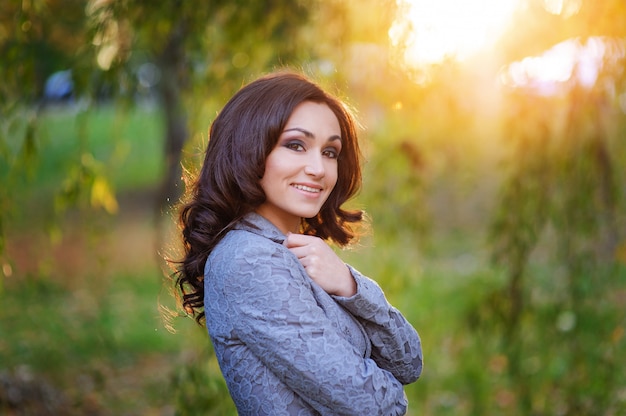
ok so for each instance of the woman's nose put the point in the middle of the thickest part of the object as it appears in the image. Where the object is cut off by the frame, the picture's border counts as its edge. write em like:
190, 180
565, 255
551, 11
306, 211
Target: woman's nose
315, 166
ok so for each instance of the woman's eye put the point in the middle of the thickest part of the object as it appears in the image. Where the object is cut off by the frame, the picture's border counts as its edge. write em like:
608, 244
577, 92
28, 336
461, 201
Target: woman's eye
331, 153
295, 146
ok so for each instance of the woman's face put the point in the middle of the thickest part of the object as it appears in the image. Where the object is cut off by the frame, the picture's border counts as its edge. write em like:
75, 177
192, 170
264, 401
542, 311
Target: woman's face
301, 170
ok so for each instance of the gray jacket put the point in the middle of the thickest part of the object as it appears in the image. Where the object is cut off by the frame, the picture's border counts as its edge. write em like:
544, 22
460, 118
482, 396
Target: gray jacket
286, 347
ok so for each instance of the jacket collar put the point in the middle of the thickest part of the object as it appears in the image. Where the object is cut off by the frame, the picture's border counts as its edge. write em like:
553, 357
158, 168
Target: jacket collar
259, 225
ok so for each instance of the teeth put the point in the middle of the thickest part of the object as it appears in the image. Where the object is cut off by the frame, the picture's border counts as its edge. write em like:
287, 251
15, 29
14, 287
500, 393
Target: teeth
306, 188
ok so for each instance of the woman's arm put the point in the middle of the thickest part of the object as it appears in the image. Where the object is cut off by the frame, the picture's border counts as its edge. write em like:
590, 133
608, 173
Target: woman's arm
276, 316
396, 345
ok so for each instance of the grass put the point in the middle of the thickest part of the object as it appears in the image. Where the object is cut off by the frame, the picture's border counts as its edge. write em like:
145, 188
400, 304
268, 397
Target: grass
99, 338
128, 141
71, 147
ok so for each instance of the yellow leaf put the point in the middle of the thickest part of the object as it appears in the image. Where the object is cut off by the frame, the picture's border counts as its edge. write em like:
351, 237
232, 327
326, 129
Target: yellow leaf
617, 334
102, 196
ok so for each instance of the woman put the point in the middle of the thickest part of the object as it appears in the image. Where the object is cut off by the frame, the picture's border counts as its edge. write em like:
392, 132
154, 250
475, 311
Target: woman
295, 330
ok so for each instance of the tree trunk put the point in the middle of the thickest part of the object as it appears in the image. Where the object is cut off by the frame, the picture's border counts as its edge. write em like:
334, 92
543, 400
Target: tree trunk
172, 66
171, 62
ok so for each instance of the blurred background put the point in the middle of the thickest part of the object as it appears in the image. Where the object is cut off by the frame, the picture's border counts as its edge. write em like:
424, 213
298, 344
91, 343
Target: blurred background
495, 178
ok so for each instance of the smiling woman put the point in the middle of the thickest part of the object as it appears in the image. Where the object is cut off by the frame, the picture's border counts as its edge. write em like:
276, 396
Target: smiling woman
295, 329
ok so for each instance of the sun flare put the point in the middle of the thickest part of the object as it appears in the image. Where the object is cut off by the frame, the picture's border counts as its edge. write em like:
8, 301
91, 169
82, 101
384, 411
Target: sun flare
431, 31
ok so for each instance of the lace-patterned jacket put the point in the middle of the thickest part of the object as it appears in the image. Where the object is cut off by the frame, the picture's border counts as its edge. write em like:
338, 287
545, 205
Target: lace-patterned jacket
286, 347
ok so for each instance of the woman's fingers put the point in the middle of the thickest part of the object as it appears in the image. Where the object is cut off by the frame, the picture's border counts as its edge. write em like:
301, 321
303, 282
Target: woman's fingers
321, 264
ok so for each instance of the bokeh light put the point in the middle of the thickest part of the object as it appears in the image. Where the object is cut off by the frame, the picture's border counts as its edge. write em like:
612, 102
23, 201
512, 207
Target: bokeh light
571, 62
431, 32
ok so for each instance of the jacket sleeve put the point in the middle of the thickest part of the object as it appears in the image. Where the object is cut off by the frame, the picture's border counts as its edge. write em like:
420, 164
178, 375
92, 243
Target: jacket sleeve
276, 316
396, 345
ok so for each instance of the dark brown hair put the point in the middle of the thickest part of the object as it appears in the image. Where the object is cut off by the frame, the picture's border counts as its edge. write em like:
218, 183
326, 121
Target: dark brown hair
227, 187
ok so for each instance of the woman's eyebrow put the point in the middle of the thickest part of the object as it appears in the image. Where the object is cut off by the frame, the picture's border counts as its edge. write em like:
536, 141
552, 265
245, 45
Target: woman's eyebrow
303, 131
310, 135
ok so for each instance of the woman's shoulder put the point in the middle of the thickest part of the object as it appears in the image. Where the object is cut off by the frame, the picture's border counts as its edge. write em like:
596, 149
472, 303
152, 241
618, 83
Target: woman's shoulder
247, 263
244, 249
239, 242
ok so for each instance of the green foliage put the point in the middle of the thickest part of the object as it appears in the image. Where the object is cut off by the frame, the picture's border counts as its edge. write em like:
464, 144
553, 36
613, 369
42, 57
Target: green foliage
561, 199
395, 175
200, 388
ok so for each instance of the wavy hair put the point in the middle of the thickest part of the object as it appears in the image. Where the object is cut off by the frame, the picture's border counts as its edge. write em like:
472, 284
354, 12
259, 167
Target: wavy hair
227, 186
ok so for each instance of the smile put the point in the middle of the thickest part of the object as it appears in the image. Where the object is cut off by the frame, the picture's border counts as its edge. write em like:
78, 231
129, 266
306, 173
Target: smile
306, 188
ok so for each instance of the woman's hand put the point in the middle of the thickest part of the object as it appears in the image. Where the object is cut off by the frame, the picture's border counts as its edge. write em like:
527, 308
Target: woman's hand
322, 264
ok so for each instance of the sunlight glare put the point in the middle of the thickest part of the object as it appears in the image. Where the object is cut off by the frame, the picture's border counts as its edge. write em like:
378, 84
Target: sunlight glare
431, 31
564, 8
571, 62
